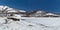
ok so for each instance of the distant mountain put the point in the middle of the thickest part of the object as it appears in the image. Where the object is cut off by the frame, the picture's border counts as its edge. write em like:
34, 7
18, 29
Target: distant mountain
4, 9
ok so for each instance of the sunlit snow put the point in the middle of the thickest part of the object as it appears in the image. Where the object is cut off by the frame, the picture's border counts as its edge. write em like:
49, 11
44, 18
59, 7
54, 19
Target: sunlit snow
31, 23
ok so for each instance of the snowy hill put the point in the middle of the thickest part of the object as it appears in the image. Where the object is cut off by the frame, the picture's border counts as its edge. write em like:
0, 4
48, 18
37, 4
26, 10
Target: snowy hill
10, 9
30, 23
6, 9
16, 22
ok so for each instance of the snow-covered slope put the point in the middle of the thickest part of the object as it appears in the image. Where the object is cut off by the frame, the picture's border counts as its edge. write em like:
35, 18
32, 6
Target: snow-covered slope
49, 21
3, 7
22, 11
40, 12
29, 24
10, 9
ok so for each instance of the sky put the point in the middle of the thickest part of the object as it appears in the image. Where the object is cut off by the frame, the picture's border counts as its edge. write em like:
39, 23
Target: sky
29, 5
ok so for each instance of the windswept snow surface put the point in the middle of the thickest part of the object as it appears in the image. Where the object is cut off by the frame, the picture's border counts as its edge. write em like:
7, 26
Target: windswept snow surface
31, 23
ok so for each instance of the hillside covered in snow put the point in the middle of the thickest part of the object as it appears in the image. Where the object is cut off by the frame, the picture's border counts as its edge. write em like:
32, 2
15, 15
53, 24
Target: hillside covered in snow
30, 23
5, 11
13, 19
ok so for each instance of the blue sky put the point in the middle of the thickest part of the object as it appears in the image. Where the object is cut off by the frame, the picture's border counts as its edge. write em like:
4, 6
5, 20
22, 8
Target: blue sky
28, 5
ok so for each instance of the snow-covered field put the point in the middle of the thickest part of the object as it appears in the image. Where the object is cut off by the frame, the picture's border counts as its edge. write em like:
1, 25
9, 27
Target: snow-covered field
31, 23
